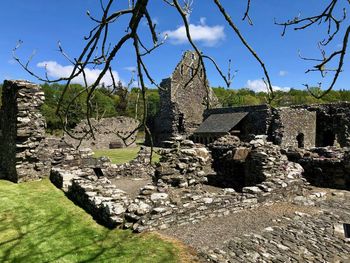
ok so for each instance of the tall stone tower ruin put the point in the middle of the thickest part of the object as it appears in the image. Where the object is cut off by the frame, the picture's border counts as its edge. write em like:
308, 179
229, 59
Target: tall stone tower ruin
22, 128
183, 98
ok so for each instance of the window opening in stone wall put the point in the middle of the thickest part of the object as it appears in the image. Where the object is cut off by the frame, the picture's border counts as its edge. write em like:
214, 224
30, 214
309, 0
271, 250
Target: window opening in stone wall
98, 172
328, 138
201, 73
192, 56
181, 125
182, 69
347, 230
301, 140
191, 72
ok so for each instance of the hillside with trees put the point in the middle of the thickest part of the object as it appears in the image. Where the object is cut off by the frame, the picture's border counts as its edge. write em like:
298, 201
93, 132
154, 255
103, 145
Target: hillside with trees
106, 103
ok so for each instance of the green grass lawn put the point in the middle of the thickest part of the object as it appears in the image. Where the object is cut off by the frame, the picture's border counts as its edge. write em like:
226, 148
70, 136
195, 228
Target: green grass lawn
123, 155
38, 223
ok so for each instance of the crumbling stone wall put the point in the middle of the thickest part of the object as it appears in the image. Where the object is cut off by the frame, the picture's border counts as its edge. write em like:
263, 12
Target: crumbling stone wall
333, 123
109, 133
140, 167
22, 130
160, 204
324, 166
241, 164
183, 99
183, 164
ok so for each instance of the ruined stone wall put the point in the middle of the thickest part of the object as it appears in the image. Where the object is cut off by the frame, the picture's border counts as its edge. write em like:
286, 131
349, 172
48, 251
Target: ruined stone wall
109, 133
140, 167
281, 125
160, 204
333, 123
240, 164
183, 164
22, 130
183, 100
293, 126
325, 166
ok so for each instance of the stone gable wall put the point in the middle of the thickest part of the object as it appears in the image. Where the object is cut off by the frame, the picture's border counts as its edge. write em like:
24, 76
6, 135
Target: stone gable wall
182, 106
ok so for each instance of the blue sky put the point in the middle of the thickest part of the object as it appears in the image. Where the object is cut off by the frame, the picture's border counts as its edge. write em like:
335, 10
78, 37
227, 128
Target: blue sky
40, 24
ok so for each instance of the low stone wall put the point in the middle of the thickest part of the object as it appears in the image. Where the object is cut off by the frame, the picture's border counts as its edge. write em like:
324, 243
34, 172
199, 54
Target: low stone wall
139, 167
109, 133
325, 166
161, 205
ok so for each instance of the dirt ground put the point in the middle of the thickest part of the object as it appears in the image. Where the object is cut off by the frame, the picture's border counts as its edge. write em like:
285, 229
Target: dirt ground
131, 185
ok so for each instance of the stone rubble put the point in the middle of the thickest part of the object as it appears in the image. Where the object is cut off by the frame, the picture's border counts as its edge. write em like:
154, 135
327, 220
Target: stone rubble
324, 167
183, 164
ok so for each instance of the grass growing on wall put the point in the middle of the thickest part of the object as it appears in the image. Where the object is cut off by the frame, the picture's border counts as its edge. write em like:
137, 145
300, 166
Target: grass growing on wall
38, 223
123, 155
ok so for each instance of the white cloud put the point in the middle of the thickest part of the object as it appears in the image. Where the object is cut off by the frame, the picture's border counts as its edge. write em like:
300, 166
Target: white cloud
55, 70
208, 35
283, 73
258, 85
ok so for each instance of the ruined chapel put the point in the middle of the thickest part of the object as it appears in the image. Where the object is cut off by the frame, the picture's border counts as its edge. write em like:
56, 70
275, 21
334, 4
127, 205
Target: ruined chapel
189, 108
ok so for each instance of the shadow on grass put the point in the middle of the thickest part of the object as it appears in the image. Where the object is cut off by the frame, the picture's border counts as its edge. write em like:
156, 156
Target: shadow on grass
64, 233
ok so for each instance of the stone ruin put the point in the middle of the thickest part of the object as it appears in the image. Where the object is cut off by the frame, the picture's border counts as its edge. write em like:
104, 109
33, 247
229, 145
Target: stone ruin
323, 166
22, 131
110, 133
179, 194
285, 126
302, 126
191, 182
183, 98
26, 153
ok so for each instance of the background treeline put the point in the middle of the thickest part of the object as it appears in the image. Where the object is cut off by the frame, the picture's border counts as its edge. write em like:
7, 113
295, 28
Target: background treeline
104, 103
129, 102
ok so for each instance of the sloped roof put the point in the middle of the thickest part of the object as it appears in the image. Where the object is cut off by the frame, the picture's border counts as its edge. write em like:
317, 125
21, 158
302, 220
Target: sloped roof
221, 123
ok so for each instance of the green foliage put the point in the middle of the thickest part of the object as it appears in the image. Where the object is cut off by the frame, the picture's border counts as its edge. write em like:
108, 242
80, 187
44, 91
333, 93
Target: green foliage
38, 223
103, 104
229, 97
130, 102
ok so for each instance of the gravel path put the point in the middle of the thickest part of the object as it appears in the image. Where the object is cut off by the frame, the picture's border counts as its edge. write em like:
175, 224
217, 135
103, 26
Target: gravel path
214, 232
311, 230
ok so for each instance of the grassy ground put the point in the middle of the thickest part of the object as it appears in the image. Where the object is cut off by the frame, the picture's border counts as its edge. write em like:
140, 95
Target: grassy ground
39, 224
123, 155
